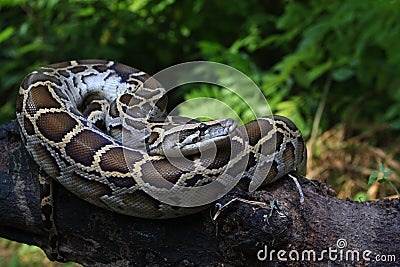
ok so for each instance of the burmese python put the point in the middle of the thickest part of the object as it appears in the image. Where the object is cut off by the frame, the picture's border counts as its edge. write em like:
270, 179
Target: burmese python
98, 128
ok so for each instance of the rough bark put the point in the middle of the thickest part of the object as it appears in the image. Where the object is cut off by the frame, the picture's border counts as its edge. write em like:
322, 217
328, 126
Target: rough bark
241, 233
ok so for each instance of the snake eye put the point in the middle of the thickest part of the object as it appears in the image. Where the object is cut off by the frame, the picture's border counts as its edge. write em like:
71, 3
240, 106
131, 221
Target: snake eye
202, 127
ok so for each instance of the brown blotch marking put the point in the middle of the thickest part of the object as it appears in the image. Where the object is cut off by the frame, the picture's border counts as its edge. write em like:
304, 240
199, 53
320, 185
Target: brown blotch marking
63, 73
131, 157
273, 172
162, 102
92, 61
75, 81
125, 99
251, 161
151, 82
84, 145
221, 158
122, 181
125, 71
88, 76
91, 104
253, 132
90, 98
134, 82
300, 146
100, 68
146, 93
28, 126
116, 159
282, 128
279, 140
116, 127
133, 101
301, 166
42, 98
60, 65
113, 111
77, 69
257, 129
163, 169
152, 138
123, 109
39, 77
52, 79
27, 81
163, 120
136, 124
288, 156
54, 126
90, 108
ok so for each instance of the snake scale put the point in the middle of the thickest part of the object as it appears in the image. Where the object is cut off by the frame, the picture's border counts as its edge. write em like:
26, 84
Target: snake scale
99, 128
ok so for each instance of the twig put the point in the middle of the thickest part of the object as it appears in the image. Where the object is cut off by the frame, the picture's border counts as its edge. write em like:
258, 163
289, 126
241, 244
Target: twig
251, 202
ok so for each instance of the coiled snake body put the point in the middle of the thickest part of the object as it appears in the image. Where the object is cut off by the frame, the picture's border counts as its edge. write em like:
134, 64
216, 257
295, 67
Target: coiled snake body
74, 117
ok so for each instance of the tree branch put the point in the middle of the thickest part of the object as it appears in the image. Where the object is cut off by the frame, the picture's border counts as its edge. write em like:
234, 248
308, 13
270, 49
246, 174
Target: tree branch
242, 234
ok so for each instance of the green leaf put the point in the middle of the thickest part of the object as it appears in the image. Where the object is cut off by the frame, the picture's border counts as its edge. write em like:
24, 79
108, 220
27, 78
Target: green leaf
361, 197
387, 173
319, 70
11, 2
342, 74
395, 125
210, 48
86, 12
381, 167
372, 178
6, 33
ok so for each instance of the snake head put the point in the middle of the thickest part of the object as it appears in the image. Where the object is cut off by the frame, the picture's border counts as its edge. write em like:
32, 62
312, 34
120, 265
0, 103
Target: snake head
192, 138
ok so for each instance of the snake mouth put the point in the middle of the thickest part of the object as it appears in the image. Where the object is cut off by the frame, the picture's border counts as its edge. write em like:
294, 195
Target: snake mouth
208, 135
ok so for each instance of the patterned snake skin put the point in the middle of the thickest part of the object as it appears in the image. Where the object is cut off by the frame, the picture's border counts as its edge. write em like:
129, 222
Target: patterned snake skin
99, 129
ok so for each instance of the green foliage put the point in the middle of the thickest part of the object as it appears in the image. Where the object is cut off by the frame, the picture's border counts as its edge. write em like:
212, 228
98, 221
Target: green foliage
361, 197
290, 49
13, 254
350, 43
382, 176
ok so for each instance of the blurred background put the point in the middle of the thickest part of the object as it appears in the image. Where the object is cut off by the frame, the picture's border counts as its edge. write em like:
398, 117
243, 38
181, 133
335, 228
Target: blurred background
331, 66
